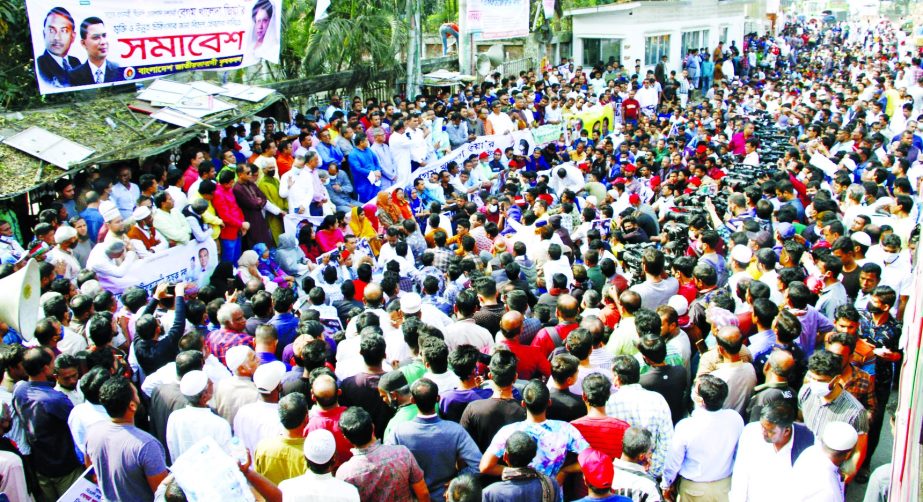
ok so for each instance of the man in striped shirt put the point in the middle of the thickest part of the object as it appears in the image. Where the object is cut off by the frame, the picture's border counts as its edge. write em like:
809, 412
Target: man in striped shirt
823, 400
683, 89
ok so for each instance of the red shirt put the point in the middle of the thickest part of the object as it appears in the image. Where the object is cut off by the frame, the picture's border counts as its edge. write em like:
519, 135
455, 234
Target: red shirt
530, 361
688, 291
610, 316
604, 434
330, 420
631, 106
543, 341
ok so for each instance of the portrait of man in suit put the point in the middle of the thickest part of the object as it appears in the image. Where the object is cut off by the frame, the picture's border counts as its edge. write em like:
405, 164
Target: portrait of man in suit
54, 64
97, 69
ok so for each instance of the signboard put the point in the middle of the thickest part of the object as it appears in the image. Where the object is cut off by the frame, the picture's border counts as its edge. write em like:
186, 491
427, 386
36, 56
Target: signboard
84, 44
498, 19
83, 490
190, 263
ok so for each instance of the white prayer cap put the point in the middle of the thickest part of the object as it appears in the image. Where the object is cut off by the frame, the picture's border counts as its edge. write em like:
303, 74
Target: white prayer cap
64, 233
109, 211
140, 213
193, 383
91, 288
679, 303
236, 356
268, 376
591, 200
411, 303
319, 446
840, 436
861, 238
741, 253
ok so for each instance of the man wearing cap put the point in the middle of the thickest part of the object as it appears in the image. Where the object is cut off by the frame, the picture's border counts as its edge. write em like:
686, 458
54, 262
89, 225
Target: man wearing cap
818, 474
317, 484
766, 451
188, 425
597, 474
395, 392
145, 238
111, 259
702, 450
257, 421
62, 255
439, 446
282, 457
412, 306
232, 393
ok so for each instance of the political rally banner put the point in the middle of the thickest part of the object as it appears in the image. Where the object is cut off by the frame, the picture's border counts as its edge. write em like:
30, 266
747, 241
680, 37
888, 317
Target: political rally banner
599, 118
191, 263
547, 133
498, 19
84, 44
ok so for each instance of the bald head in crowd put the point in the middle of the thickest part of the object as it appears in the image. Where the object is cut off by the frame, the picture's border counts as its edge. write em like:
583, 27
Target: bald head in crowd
373, 295
511, 324
567, 308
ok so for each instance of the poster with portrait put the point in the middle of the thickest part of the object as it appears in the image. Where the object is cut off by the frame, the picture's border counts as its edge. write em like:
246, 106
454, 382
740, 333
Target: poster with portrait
192, 263
84, 44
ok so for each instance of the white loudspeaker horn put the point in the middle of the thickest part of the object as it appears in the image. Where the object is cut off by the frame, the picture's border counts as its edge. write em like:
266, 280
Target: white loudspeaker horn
486, 61
19, 300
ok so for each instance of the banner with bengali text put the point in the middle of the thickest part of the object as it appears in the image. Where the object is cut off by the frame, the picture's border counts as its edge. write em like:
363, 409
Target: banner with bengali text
83, 44
190, 263
498, 19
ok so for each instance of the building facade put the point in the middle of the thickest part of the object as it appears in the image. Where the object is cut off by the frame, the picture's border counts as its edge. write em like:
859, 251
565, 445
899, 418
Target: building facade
647, 30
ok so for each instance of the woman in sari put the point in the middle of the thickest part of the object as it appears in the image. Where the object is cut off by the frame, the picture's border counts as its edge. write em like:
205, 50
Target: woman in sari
399, 199
388, 214
362, 228
328, 234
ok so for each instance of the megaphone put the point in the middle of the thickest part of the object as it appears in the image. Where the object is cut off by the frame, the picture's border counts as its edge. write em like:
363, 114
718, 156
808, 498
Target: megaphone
489, 60
20, 303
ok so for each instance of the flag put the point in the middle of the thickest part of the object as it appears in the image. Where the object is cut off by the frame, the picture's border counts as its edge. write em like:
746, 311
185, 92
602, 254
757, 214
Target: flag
321, 12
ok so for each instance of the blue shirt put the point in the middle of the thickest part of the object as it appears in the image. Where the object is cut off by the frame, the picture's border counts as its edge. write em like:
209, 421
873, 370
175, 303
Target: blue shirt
286, 327
125, 198
94, 220
330, 153
437, 445
524, 489
43, 413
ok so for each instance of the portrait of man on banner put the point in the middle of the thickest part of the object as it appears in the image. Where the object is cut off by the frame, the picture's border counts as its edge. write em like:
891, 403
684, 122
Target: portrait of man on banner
55, 63
97, 69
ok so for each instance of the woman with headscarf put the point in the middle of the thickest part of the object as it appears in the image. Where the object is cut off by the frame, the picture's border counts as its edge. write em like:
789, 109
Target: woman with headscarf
269, 268
399, 199
388, 214
328, 234
362, 228
248, 268
291, 258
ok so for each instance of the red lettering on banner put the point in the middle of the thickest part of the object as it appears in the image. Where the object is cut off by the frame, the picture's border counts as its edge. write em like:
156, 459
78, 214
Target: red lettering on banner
179, 45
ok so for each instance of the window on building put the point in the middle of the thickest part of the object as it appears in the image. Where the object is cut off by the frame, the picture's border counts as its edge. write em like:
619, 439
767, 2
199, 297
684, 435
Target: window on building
723, 35
655, 47
601, 51
694, 40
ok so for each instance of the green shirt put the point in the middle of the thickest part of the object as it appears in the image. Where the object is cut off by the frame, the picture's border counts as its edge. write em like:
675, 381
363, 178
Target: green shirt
404, 414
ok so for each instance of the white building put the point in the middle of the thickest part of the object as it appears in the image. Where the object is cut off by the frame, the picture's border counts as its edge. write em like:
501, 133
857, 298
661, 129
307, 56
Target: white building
647, 30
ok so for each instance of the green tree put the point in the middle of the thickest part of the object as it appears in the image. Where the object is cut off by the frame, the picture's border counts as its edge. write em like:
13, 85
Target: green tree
17, 74
356, 35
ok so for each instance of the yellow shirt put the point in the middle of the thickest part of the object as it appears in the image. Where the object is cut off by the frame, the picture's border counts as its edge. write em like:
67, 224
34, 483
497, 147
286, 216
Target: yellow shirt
280, 458
209, 216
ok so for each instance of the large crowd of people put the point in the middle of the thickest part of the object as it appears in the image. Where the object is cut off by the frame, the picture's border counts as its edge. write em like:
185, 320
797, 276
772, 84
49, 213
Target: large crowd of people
641, 310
